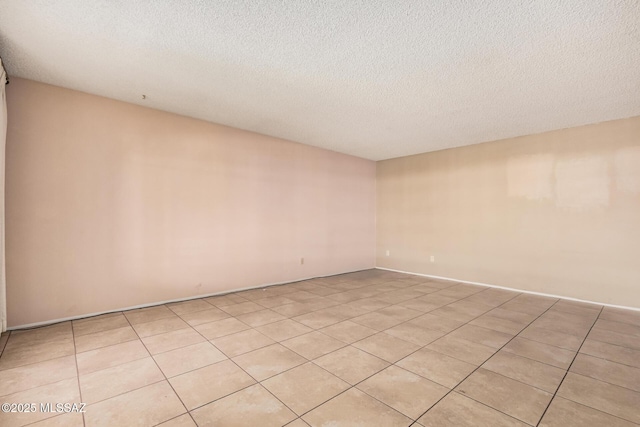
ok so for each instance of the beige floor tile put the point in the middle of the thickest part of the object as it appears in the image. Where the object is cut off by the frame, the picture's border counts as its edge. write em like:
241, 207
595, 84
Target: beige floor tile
615, 353
271, 302
305, 387
242, 308
451, 311
511, 397
110, 382
346, 311
456, 410
146, 406
522, 307
27, 353
497, 324
351, 364
205, 316
73, 419
565, 413
260, 317
513, 315
65, 391
404, 391
611, 337
37, 374
149, 314
113, 355
185, 359
621, 315
191, 306
104, 338
268, 361
204, 385
242, 342
181, 421
400, 313
620, 327
414, 334
320, 319
544, 353
172, 340
437, 367
283, 330
253, 406
461, 349
605, 370
554, 338
224, 300
366, 304
42, 334
313, 344
437, 323
605, 397
348, 332
355, 408
378, 321
564, 322
161, 326
221, 328
99, 324
476, 334
528, 371
293, 309
386, 347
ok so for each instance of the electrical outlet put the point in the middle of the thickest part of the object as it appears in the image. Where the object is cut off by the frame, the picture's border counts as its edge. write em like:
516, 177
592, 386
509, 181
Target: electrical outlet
433, 258
388, 252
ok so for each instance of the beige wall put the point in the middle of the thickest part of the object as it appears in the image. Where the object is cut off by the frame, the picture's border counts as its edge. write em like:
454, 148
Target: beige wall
556, 213
111, 205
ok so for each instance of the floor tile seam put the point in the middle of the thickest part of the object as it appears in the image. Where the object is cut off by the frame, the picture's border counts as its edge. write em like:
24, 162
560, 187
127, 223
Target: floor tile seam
606, 382
159, 368
478, 367
108, 345
75, 359
404, 369
125, 392
490, 407
241, 369
536, 360
520, 381
568, 368
173, 418
596, 409
43, 384
637, 324
35, 363
119, 363
608, 360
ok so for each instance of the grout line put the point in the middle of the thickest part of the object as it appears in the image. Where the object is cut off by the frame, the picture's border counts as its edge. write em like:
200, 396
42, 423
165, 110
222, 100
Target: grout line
479, 366
75, 358
568, 368
158, 366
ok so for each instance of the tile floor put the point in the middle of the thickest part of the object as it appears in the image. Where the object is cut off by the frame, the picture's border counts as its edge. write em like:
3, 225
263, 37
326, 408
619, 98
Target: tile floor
373, 348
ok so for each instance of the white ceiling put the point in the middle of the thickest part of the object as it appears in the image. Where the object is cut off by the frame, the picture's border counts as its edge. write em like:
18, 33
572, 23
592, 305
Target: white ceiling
373, 78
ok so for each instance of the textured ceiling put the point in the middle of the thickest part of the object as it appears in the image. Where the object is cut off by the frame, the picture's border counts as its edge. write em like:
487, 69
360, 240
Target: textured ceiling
374, 78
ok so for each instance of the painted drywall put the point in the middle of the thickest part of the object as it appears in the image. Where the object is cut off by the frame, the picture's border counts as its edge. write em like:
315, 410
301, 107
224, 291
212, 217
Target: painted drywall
557, 212
112, 205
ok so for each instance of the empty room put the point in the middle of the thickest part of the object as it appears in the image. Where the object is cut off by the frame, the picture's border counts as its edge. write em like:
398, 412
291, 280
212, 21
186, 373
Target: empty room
327, 214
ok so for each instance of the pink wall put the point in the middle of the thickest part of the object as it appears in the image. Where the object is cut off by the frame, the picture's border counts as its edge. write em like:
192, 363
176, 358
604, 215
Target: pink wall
112, 205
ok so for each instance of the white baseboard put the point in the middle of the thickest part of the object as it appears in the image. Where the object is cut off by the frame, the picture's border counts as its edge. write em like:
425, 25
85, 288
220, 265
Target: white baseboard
510, 289
151, 304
